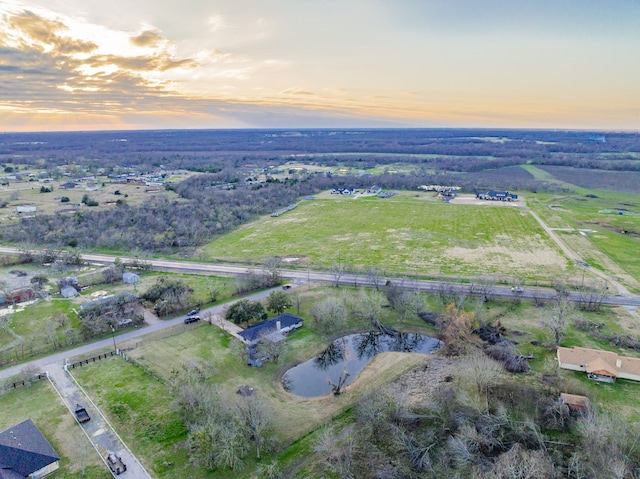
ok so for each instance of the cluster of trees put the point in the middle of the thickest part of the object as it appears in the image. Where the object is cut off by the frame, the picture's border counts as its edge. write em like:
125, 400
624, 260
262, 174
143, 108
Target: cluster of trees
160, 224
254, 279
101, 315
167, 295
245, 312
221, 433
180, 149
517, 432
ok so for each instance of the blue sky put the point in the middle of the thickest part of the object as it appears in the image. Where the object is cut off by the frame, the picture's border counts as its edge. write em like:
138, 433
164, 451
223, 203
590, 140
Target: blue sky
87, 64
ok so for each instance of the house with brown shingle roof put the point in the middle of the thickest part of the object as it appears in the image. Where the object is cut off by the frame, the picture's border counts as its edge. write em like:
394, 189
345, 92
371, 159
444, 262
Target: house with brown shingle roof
599, 365
577, 404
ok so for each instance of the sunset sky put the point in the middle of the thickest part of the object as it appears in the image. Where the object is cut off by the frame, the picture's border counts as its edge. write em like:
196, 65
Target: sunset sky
122, 64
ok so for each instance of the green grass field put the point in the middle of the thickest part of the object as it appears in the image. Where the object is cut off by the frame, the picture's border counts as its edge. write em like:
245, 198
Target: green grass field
408, 234
27, 332
609, 241
41, 403
138, 403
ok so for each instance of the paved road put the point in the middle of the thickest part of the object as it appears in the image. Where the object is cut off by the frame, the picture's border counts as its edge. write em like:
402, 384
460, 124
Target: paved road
298, 276
59, 358
623, 299
98, 429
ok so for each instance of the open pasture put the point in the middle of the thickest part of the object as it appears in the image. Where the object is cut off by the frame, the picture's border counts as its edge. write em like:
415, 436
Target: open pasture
410, 234
603, 228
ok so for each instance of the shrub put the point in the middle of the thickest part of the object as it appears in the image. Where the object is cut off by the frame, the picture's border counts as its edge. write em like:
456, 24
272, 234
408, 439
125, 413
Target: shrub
505, 352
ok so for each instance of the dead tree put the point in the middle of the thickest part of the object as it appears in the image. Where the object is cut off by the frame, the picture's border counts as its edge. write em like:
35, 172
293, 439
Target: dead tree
336, 389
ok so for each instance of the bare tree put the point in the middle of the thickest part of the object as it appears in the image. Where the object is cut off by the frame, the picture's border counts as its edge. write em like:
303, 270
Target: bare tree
192, 396
368, 305
457, 327
609, 445
558, 314
483, 286
213, 291
270, 348
520, 463
218, 442
481, 370
337, 270
256, 415
337, 451
591, 297
330, 314
271, 267
373, 275
336, 388
29, 373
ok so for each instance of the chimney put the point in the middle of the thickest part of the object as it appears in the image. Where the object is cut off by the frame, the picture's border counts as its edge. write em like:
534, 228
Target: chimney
278, 325
618, 363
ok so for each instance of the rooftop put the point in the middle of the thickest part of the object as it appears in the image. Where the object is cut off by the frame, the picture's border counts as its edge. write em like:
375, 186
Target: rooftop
598, 361
24, 450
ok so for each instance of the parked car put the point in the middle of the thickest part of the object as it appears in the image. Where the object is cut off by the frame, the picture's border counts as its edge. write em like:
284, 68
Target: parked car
115, 463
286, 286
191, 319
194, 312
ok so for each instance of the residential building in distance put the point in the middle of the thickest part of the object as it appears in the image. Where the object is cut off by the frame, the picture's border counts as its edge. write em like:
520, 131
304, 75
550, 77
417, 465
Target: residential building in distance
599, 365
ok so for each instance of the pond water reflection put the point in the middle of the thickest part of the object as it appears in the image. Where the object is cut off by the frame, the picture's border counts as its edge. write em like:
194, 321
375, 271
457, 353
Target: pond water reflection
350, 354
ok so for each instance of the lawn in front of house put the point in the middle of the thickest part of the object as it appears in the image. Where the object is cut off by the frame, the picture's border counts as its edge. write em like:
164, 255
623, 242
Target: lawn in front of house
42, 404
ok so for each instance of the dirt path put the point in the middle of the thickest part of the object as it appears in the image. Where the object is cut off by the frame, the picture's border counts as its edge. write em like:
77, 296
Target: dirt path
573, 256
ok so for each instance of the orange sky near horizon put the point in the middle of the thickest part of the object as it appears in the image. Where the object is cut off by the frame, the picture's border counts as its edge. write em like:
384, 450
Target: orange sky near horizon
79, 65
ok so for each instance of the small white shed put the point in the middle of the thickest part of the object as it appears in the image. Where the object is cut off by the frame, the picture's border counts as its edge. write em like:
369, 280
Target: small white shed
69, 292
130, 278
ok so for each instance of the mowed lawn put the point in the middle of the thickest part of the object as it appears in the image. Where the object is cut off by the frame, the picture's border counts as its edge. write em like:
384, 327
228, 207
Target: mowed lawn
43, 406
403, 234
138, 404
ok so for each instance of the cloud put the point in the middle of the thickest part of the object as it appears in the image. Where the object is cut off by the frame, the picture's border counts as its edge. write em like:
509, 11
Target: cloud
297, 92
149, 38
149, 63
45, 33
217, 22
45, 66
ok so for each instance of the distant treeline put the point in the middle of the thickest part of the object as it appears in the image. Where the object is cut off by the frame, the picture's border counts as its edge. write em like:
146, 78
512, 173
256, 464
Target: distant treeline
209, 150
161, 224
220, 199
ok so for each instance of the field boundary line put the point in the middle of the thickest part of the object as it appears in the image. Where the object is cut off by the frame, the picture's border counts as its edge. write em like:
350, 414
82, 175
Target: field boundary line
107, 422
95, 447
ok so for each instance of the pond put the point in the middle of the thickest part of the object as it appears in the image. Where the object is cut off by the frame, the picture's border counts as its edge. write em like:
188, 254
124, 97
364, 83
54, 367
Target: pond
344, 359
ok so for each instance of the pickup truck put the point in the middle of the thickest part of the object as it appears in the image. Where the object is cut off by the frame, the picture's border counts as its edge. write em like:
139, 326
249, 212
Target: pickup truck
191, 319
115, 463
81, 414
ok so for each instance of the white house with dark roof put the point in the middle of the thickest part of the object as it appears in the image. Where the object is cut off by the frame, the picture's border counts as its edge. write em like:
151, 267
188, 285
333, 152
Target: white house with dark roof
26, 453
275, 327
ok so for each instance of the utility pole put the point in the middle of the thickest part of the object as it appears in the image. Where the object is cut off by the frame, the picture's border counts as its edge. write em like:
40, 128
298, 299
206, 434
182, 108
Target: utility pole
113, 336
